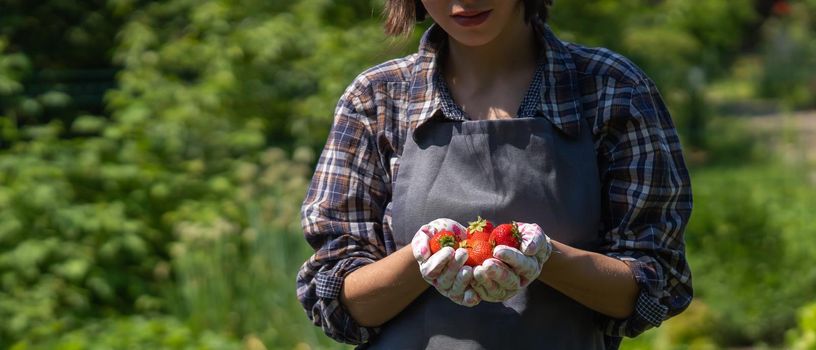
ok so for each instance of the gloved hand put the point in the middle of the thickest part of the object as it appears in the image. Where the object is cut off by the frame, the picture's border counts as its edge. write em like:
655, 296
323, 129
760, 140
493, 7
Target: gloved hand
445, 269
501, 277
494, 281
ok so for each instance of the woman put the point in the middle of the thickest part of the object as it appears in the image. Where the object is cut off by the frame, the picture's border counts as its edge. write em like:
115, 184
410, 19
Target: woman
495, 116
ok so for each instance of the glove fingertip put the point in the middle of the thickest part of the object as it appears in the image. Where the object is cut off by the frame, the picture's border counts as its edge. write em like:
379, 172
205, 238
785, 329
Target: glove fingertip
447, 251
471, 298
479, 275
529, 249
461, 252
498, 252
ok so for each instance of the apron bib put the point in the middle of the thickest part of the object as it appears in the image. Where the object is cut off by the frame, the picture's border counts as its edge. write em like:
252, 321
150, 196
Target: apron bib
520, 169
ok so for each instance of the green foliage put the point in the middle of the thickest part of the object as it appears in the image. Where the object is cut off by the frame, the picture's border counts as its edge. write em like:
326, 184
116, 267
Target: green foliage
749, 237
62, 250
680, 44
789, 57
595, 22
86, 230
666, 38
257, 65
89, 224
135, 332
60, 58
730, 144
688, 331
242, 282
804, 337
12, 67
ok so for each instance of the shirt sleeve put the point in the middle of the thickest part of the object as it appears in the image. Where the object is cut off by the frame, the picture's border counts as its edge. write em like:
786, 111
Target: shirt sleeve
646, 206
342, 219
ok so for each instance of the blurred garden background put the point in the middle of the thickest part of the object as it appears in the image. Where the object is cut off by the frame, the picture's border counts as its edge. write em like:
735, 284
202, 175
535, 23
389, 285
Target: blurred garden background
154, 155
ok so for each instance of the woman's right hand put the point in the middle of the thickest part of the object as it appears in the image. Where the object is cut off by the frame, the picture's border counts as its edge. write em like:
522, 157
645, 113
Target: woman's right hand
445, 269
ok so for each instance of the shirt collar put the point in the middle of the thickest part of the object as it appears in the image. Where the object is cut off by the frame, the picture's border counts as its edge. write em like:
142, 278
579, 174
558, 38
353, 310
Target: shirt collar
530, 104
560, 96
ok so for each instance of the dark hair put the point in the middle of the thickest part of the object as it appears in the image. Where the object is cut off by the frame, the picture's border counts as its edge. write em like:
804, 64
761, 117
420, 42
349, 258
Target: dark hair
401, 15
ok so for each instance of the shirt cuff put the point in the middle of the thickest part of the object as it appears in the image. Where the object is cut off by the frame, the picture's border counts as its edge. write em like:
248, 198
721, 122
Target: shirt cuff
336, 321
647, 306
328, 286
648, 311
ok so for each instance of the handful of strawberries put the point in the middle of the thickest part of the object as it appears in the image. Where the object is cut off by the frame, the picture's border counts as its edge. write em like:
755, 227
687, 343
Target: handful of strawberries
482, 237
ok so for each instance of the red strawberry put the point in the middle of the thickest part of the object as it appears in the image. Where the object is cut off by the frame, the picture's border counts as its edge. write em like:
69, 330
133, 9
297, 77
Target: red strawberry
443, 238
480, 229
480, 236
478, 251
506, 234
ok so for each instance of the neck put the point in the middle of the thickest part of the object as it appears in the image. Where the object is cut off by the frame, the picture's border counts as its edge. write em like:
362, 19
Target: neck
514, 50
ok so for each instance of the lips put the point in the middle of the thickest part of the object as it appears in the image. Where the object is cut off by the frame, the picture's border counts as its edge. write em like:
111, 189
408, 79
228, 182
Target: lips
471, 17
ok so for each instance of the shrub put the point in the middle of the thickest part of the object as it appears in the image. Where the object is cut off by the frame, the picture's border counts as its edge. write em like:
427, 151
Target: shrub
804, 337
240, 280
205, 91
135, 332
788, 51
748, 238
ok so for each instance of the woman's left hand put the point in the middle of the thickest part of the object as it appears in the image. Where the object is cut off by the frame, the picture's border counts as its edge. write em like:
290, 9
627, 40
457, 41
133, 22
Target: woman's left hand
510, 269
494, 281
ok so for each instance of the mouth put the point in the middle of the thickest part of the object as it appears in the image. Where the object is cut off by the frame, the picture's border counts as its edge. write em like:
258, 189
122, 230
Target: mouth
471, 17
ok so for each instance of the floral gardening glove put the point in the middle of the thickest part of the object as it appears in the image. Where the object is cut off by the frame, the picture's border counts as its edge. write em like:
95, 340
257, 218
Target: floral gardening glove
494, 281
510, 269
445, 270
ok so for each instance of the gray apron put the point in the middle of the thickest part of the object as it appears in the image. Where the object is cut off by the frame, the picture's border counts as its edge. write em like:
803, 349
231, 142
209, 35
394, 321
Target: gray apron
520, 169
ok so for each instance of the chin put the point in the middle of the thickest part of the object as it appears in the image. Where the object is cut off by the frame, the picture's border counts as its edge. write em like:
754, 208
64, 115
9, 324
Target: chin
472, 39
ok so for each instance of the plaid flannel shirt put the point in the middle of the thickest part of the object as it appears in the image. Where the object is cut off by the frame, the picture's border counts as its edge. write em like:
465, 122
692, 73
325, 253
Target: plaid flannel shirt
346, 215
